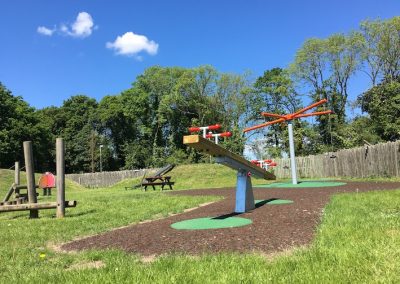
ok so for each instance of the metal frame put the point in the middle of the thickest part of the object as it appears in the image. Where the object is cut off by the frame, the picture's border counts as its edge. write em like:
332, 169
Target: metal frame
288, 118
244, 190
244, 168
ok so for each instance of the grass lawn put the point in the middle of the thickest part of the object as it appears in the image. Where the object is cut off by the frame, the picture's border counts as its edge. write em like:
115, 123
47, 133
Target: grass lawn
358, 241
198, 176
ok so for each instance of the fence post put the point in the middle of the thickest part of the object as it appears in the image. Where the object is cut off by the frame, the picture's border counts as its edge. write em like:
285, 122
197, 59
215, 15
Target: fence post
60, 172
17, 178
30, 178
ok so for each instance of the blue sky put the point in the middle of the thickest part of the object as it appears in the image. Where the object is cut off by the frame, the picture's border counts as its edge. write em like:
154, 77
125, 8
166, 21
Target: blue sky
83, 56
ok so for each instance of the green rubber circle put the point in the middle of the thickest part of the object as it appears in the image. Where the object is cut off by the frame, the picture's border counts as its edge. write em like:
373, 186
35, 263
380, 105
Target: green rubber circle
211, 223
273, 202
302, 184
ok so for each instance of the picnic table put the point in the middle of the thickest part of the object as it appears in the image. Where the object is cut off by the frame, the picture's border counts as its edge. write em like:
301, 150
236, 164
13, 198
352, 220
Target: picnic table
157, 180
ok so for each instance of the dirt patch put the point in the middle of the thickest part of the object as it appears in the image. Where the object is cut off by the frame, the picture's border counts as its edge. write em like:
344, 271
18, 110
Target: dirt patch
275, 228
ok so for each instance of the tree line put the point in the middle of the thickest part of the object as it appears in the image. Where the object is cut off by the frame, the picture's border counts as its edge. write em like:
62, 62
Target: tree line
143, 126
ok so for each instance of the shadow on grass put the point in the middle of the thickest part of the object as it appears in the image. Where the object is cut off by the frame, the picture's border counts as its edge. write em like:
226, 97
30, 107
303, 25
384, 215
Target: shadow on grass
233, 214
263, 202
78, 214
225, 216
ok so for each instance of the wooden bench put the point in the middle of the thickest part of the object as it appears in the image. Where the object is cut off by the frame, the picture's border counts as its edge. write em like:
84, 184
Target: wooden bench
160, 180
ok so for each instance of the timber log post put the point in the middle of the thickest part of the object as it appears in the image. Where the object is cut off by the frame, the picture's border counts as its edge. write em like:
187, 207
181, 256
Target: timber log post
30, 178
60, 160
17, 178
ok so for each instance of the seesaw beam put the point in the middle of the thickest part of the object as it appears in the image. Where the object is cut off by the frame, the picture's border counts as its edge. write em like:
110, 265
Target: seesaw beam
204, 145
244, 190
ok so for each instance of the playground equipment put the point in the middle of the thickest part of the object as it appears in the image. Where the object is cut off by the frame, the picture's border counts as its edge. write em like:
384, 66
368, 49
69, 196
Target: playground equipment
288, 118
46, 182
265, 164
15, 189
204, 129
244, 190
210, 135
33, 206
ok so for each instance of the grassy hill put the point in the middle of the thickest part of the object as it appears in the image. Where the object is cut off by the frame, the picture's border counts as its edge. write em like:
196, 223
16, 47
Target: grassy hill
198, 176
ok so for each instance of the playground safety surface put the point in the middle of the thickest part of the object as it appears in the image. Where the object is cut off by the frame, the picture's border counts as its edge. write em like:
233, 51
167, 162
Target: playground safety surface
274, 228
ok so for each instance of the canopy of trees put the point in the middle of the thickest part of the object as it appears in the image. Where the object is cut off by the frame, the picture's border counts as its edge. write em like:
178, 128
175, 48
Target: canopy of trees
143, 126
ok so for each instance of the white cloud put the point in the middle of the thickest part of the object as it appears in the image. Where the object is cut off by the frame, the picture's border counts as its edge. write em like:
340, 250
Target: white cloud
82, 27
131, 44
45, 31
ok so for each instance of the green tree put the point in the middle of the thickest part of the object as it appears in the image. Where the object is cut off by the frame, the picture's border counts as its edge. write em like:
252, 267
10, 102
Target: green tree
77, 122
116, 129
389, 49
326, 66
344, 58
232, 105
275, 93
46, 121
371, 32
18, 124
382, 103
361, 130
380, 52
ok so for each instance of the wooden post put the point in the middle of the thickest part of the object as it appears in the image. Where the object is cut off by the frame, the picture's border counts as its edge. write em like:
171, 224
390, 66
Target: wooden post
17, 178
47, 205
30, 178
9, 193
60, 161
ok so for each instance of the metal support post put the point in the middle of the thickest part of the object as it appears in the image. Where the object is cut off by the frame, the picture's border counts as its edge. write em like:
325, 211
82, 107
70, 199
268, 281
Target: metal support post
292, 154
244, 192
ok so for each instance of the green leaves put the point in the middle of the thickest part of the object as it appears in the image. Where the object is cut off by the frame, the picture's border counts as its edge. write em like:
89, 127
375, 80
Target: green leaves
382, 103
17, 123
275, 93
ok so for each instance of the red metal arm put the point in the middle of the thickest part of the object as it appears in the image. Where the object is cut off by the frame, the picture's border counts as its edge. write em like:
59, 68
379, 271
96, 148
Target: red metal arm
264, 124
210, 127
291, 116
310, 107
272, 115
313, 113
223, 134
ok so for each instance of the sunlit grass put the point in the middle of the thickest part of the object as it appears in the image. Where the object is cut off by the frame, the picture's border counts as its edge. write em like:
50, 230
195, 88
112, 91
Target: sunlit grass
357, 242
198, 176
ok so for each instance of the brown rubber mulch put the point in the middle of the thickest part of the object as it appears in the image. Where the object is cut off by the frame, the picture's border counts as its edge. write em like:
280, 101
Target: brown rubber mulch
274, 228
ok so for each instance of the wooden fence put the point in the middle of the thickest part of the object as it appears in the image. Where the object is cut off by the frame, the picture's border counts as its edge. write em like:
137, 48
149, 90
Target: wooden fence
104, 179
380, 160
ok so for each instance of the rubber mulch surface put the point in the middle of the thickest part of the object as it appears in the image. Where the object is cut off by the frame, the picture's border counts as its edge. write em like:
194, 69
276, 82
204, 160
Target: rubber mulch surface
274, 228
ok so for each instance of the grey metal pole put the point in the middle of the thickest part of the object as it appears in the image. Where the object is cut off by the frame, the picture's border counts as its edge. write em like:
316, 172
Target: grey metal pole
30, 178
292, 154
60, 164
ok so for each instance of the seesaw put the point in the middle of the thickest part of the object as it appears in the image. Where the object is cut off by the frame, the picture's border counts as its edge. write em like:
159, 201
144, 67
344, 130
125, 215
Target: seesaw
244, 190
